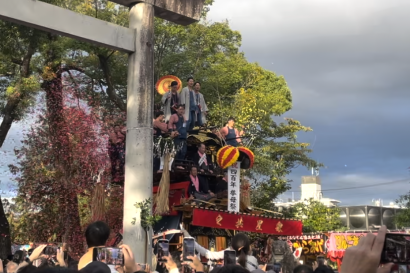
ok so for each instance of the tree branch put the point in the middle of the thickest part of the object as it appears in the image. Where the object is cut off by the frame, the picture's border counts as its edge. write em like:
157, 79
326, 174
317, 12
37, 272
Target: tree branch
110, 85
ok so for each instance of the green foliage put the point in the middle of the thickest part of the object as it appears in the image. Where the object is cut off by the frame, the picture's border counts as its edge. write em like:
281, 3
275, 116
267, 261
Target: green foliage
402, 218
147, 219
316, 217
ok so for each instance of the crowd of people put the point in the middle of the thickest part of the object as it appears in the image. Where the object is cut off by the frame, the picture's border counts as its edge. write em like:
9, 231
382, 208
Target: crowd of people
363, 258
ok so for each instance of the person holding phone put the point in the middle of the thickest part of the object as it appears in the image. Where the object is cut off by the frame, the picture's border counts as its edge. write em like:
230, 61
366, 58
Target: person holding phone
96, 235
240, 243
365, 257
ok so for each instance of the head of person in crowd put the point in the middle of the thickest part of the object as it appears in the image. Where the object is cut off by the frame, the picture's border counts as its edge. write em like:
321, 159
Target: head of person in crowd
241, 244
197, 86
30, 268
233, 268
201, 148
303, 269
181, 110
18, 256
11, 267
117, 129
96, 267
59, 270
174, 86
231, 122
159, 116
190, 82
97, 234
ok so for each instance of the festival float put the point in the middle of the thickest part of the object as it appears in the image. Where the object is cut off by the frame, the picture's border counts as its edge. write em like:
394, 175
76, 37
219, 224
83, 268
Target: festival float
215, 220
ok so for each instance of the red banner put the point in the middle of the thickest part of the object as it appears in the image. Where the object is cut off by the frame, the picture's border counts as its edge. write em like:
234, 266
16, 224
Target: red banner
246, 222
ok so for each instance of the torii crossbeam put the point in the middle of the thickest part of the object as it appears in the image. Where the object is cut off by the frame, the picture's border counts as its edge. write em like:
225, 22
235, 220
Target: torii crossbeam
138, 41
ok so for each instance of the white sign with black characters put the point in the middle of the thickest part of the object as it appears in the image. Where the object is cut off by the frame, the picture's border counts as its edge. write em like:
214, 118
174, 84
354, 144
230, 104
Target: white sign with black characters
234, 183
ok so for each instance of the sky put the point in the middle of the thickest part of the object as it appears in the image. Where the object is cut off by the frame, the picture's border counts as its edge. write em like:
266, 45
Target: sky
347, 63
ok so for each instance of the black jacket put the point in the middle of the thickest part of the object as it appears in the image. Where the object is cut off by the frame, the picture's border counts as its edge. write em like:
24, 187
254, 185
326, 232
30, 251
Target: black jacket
203, 186
203, 166
323, 269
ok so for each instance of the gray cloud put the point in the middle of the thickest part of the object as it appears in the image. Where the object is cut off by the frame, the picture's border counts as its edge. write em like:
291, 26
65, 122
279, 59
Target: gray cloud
347, 63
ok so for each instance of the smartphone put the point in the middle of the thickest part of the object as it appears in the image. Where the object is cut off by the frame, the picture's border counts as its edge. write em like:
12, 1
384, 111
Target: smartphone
395, 249
188, 248
270, 267
143, 267
108, 255
276, 268
163, 249
50, 250
229, 257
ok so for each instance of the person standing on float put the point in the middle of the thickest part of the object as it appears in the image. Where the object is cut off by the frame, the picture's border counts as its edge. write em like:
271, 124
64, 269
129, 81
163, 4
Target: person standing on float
201, 107
170, 100
230, 134
187, 99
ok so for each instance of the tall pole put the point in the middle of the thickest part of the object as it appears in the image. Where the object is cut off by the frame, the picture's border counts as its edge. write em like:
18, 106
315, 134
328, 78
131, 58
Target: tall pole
139, 140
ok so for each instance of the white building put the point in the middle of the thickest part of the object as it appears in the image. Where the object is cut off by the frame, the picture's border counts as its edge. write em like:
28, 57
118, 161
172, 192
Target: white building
311, 188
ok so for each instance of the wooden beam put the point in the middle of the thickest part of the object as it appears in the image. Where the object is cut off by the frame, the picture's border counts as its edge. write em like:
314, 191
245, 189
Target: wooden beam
181, 12
43, 16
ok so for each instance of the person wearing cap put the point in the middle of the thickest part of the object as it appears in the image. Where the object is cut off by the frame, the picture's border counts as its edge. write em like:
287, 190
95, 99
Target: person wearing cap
170, 100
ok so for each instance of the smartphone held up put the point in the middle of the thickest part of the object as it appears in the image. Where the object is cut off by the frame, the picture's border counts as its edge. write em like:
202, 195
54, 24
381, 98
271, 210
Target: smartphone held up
396, 249
163, 249
188, 248
229, 257
108, 255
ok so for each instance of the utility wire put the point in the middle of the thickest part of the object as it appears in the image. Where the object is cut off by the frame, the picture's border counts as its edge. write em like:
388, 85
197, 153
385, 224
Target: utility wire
361, 187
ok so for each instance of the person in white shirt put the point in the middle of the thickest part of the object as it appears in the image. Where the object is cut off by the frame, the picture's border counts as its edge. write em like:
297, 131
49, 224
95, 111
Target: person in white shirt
240, 243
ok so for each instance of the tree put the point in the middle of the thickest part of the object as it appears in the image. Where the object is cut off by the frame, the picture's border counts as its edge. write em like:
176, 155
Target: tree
262, 97
402, 218
316, 217
62, 153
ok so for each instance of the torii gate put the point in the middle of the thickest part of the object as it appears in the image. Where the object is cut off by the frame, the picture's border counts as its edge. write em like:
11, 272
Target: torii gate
138, 41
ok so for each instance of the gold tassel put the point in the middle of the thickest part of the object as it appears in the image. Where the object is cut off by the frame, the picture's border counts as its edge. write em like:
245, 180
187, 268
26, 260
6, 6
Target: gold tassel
98, 203
162, 201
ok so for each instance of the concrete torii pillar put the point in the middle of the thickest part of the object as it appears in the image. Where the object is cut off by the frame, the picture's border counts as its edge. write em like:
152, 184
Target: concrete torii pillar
138, 41
140, 104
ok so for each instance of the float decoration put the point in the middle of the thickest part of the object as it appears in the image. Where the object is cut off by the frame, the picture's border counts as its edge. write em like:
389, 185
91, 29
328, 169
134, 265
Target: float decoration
227, 156
246, 157
163, 85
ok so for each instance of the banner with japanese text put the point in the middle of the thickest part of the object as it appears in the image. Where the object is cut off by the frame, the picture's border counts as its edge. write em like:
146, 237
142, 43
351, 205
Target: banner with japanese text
342, 241
234, 183
245, 222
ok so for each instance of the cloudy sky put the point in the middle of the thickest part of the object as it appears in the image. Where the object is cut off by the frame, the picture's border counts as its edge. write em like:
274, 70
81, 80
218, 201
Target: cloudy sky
347, 63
